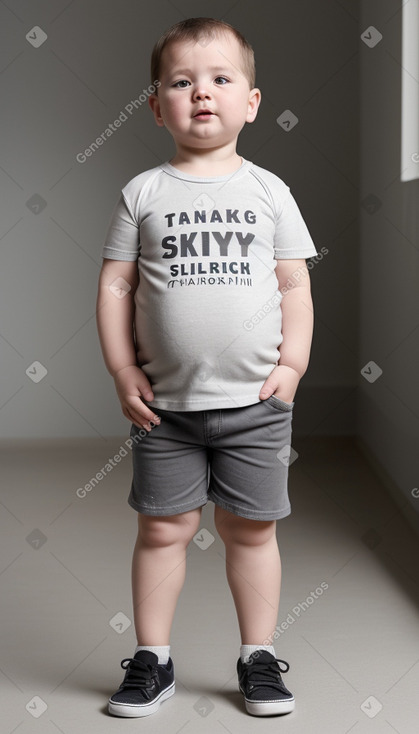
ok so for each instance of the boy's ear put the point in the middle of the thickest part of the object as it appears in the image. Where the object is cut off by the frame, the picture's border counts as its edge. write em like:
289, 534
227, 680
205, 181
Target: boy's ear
255, 97
154, 103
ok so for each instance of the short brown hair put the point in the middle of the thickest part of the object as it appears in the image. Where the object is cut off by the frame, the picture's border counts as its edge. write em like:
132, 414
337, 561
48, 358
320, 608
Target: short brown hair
194, 29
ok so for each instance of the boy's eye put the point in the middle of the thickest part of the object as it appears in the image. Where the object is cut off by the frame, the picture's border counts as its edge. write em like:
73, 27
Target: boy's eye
183, 83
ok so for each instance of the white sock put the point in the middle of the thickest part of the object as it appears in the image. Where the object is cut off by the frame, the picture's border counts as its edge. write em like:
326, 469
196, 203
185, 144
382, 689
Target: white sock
246, 650
162, 652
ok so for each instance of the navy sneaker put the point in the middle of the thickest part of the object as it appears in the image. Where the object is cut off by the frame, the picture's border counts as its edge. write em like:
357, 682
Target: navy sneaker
262, 686
145, 686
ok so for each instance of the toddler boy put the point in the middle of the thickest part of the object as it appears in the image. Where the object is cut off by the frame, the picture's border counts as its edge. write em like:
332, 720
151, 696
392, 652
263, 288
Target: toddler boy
205, 320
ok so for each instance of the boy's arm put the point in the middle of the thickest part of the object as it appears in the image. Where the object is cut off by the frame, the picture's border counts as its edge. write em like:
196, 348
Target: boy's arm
115, 317
297, 330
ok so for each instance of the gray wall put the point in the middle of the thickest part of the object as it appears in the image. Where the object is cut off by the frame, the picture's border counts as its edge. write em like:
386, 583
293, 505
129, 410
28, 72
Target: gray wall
388, 408
59, 97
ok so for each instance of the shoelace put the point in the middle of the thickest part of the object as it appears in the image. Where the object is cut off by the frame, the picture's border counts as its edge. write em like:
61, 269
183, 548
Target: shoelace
138, 675
261, 674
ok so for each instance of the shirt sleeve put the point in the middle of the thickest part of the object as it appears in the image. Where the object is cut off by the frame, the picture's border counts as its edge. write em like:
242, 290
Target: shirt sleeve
292, 238
122, 241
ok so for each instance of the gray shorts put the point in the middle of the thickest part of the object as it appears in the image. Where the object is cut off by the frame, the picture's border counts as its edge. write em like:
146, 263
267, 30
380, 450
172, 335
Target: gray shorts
235, 457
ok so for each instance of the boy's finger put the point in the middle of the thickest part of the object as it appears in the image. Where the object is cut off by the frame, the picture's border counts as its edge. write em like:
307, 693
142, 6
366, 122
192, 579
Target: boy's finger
267, 390
270, 385
147, 392
143, 410
147, 415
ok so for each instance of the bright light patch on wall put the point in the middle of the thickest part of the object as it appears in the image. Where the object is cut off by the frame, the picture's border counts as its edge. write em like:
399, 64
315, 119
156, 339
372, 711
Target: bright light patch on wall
410, 91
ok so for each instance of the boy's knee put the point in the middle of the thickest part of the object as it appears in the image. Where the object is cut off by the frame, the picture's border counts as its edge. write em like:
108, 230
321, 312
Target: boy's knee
163, 531
240, 530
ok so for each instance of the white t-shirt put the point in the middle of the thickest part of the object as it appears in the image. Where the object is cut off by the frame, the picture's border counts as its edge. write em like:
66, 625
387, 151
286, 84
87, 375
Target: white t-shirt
207, 308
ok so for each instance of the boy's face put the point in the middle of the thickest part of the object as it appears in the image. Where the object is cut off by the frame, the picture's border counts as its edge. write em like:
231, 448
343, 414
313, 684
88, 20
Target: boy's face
197, 76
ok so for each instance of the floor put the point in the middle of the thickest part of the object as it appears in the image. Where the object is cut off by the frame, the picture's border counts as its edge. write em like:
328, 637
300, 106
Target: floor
348, 622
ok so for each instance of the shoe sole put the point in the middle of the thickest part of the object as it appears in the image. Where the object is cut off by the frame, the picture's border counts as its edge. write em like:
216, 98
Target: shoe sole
268, 708
131, 710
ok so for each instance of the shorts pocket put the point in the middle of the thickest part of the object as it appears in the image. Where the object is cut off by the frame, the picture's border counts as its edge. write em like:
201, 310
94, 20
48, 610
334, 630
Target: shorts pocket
279, 404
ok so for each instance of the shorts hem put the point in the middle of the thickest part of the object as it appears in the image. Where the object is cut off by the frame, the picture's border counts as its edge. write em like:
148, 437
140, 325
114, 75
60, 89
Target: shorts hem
250, 514
160, 511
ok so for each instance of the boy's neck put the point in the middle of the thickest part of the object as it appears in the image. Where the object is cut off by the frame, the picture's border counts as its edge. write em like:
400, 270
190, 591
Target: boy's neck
206, 163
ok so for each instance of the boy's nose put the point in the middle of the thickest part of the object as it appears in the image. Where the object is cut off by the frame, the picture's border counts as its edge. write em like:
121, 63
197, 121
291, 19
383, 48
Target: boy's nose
201, 93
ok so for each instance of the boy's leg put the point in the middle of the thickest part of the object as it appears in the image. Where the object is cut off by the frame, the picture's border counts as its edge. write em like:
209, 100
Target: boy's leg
253, 568
158, 572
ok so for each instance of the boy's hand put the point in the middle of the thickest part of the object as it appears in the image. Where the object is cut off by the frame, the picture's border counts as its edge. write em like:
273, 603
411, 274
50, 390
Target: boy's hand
282, 382
131, 384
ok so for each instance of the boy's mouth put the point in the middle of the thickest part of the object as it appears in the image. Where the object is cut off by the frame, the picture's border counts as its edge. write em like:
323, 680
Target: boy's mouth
203, 114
